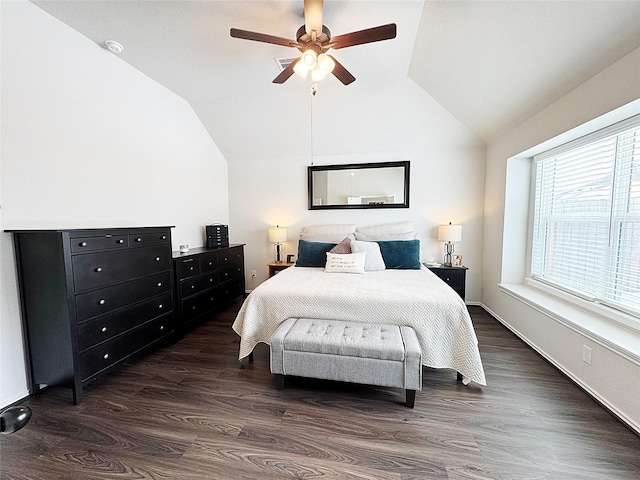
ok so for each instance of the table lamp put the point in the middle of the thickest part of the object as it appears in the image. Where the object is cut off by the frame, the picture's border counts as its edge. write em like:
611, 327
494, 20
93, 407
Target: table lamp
278, 235
449, 233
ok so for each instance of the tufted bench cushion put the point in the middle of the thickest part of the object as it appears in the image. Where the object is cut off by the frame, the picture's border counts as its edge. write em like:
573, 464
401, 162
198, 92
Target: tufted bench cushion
373, 354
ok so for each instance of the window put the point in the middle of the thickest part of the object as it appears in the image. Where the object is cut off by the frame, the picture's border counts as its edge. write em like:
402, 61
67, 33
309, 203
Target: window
586, 224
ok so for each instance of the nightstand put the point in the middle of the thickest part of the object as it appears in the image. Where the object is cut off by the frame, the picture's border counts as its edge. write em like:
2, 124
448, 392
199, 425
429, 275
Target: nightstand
455, 277
276, 267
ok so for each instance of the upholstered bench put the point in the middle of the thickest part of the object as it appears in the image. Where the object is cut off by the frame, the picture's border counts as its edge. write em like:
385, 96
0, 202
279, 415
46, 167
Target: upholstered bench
367, 353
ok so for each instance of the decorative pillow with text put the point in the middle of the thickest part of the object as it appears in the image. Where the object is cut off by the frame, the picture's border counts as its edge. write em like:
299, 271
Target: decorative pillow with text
345, 263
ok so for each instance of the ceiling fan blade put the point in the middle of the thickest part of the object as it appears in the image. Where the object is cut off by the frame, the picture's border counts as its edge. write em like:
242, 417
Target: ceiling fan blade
313, 16
286, 73
342, 73
262, 37
375, 34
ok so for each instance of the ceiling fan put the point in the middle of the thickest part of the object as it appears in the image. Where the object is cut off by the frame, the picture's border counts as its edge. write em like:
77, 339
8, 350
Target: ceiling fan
314, 39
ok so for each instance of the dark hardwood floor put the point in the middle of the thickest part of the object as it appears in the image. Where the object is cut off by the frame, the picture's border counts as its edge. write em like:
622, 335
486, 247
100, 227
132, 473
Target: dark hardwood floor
192, 411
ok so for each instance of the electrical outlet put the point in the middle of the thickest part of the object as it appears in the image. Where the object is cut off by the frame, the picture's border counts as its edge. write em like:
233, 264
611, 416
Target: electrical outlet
586, 354
253, 273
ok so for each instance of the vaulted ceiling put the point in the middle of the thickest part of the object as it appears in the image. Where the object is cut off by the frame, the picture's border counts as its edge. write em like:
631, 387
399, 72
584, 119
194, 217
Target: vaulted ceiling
491, 64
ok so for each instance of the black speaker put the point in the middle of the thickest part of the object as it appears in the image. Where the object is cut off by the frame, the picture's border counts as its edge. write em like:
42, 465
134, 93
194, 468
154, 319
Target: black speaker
217, 236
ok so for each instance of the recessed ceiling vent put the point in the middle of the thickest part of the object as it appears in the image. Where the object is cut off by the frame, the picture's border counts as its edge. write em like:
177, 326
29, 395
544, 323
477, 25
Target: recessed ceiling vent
284, 62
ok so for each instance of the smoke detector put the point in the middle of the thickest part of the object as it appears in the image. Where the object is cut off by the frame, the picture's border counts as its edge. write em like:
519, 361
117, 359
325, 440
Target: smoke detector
113, 46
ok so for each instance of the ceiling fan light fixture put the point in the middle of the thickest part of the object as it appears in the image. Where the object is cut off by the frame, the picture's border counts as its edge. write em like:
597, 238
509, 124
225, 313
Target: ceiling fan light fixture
309, 58
317, 74
326, 63
301, 69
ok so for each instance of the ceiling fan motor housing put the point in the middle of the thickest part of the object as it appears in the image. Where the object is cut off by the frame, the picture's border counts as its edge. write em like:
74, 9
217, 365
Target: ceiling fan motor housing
305, 40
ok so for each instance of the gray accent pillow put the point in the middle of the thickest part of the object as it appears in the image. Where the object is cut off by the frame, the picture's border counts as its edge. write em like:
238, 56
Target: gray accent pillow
373, 261
344, 247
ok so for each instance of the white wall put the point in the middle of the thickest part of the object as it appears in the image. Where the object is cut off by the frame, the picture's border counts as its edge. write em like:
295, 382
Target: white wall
355, 124
88, 141
612, 377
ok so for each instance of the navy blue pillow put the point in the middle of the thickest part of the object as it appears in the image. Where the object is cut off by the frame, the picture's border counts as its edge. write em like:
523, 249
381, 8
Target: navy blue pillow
401, 254
313, 254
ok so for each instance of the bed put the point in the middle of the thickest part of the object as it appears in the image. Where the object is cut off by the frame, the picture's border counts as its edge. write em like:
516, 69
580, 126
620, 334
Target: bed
412, 297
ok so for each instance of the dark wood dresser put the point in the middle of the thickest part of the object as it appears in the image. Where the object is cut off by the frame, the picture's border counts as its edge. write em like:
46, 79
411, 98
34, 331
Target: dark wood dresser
91, 299
207, 279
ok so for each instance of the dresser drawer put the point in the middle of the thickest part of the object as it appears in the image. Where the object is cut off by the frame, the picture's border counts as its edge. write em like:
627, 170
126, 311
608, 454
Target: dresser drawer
454, 277
187, 267
103, 242
105, 300
199, 304
136, 240
229, 272
232, 257
100, 269
231, 289
208, 263
103, 328
196, 285
106, 354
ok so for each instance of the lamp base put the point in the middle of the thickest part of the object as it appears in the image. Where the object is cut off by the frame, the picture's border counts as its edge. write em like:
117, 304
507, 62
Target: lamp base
448, 250
278, 255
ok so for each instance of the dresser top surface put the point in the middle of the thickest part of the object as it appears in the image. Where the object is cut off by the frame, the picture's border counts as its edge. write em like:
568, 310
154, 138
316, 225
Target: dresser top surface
90, 231
201, 250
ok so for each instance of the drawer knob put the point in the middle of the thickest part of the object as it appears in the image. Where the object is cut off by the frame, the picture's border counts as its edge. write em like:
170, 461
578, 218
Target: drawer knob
210, 263
159, 284
102, 301
160, 306
99, 269
83, 244
447, 279
225, 259
157, 259
211, 280
193, 308
191, 268
164, 237
138, 239
105, 356
103, 329
226, 274
121, 241
192, 287
161, 327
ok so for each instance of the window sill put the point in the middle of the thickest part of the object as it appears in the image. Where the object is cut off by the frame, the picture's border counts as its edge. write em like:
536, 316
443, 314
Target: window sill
622, 339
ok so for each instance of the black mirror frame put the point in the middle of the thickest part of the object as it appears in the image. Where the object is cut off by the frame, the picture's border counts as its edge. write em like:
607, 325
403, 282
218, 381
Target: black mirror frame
354, 166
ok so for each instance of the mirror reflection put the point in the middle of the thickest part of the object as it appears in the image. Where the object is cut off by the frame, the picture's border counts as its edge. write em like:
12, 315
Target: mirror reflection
363, 185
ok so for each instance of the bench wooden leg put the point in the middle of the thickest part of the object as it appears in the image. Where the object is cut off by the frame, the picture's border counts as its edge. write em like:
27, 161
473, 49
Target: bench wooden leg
459, 377
279, 381
411, 398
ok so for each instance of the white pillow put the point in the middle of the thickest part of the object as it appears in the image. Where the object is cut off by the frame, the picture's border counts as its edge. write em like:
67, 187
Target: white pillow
341, 228
345, 263
371, 237
326, 237
387, 228
373, 261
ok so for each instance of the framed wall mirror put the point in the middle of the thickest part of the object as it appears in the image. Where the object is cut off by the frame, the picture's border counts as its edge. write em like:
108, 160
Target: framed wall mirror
359, 185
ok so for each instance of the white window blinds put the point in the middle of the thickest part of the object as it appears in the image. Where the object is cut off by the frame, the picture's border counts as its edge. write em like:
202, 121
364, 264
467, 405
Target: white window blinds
586, 226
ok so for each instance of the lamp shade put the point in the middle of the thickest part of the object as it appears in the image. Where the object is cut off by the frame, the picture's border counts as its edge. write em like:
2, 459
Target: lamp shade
277, 234
450, 233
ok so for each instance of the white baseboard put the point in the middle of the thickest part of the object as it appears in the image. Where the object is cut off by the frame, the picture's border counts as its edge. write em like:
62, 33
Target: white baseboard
11, 400
611, 408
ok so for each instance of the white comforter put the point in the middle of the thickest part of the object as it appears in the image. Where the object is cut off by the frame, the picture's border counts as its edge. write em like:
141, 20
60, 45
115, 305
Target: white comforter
416, 298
